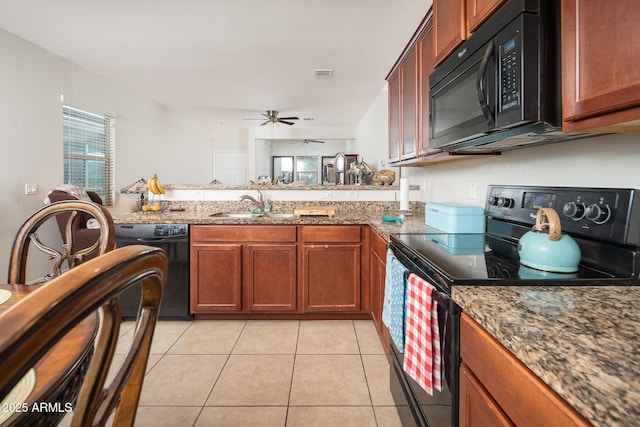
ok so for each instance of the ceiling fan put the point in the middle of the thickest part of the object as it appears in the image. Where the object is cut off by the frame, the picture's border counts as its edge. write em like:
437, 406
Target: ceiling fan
307, 141
272, 118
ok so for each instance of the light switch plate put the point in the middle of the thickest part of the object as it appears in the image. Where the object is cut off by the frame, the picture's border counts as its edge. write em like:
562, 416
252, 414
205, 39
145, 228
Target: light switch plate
30, 189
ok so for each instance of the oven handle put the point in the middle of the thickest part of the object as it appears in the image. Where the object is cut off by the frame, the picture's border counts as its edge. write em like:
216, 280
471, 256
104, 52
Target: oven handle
480, 89
436, 294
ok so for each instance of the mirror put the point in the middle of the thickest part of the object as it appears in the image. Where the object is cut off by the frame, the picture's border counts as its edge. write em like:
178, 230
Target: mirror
282, 167
304, 159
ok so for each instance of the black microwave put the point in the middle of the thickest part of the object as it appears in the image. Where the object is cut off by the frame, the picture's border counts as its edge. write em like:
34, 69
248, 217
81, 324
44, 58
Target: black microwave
501, 88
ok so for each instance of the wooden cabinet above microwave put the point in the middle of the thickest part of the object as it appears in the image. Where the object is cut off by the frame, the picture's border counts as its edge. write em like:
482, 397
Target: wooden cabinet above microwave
601, 70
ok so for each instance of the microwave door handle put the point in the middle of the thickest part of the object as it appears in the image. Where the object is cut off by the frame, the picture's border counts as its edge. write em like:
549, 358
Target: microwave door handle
480, 88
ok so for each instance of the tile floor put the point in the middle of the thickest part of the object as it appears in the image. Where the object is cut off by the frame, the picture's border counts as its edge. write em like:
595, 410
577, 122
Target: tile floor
266, 373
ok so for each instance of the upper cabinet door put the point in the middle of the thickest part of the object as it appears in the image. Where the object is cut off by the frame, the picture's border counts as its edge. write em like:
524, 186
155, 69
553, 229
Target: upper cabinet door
449, 27
425, 49
479, 10
409, 112
394, 116
601, 67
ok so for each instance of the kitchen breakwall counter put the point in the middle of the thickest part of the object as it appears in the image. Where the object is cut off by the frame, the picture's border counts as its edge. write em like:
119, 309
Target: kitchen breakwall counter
581, 341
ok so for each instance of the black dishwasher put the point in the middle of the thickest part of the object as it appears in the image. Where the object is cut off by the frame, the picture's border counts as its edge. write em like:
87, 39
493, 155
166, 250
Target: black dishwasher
174, 239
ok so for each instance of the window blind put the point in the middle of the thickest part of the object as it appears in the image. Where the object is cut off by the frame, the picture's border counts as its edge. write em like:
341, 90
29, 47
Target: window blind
89, 151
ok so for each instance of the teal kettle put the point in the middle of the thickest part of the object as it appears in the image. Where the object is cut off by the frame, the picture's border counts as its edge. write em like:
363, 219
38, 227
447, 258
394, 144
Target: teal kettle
545, 248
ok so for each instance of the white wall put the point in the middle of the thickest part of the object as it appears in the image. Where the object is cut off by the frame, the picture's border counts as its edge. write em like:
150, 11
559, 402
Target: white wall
150, 138
604, 161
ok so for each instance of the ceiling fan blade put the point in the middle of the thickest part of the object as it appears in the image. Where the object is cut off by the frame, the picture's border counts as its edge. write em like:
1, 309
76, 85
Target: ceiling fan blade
285, 122
316, 141
288, 118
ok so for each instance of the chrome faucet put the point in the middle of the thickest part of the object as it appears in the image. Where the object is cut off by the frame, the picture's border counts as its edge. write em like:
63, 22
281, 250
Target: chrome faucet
258, 205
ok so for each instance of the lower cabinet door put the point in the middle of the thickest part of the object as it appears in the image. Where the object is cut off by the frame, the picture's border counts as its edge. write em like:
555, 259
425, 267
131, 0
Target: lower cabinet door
477, 407
271, 277
216, 278
331, 277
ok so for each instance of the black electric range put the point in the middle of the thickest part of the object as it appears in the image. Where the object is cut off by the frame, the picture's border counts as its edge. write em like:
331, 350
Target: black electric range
604, 222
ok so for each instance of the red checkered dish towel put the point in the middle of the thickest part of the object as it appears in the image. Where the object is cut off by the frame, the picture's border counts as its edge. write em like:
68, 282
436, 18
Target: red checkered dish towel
422, 353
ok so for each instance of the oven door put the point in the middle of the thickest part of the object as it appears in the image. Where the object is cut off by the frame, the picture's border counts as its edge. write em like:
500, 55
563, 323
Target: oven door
415, 406
463, 102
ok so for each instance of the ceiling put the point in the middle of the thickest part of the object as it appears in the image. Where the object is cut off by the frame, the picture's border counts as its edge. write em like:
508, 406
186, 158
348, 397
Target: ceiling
222, 61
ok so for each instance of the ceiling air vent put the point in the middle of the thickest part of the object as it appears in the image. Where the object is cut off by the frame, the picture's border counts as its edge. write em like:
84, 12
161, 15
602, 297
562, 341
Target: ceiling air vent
323, 73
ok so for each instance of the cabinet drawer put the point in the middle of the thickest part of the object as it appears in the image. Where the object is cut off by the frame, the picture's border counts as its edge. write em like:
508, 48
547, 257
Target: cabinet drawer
244, 233
524, 397
331, 233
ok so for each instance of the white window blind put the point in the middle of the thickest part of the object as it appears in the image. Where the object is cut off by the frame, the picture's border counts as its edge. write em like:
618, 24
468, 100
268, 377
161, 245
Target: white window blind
89, 145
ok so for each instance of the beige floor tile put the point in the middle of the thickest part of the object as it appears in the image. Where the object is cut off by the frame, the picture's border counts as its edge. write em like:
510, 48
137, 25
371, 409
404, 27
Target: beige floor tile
164, 336
376, 369
167, 416
181, 380
329, 380
387, 416
327, 337
368, 339
209, 337
118, 358
242, 417
254, 380
329, 416
268, 337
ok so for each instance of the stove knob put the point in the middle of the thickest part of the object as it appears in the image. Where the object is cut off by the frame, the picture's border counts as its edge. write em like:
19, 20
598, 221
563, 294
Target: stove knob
493, 201
599, 214
574, 210
505, 202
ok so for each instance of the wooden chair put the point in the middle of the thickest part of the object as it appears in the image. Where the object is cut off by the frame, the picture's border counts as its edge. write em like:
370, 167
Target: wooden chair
36, 323
74, 253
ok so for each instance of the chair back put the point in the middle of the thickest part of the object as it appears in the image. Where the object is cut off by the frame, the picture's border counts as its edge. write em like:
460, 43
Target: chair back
78, 245
35, 324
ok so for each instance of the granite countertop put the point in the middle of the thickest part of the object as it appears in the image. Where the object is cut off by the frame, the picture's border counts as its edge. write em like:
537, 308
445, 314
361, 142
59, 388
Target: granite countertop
411, 224
581, 341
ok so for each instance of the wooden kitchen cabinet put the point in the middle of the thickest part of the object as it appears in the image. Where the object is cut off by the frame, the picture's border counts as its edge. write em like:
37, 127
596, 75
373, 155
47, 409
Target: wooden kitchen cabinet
600, 67
409, 103
394, 114
497, 389
243, 269
477, 407
455, 20
409, 98
425, 49
449, 27
331, 268
216, 277
270, 277
377, 274
478, 11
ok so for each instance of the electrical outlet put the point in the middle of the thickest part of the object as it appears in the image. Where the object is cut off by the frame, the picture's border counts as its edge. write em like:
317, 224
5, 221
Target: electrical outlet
473, 190
325, 195
352, 195
198, 194
30, 189
426, 186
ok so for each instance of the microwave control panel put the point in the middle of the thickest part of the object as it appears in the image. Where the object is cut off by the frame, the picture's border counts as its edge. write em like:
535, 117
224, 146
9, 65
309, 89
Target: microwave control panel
509, 57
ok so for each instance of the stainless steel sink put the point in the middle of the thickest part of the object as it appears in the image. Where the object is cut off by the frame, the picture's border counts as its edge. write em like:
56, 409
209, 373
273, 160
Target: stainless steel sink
233, 215
250, 215
281, 215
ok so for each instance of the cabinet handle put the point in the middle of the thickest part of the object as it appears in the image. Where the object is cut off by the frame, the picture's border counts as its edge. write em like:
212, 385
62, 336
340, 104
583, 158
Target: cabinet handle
326, 246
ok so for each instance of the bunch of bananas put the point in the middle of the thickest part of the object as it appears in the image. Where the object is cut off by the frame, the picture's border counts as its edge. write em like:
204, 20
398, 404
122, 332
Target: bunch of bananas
154, 185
